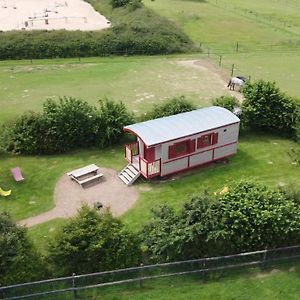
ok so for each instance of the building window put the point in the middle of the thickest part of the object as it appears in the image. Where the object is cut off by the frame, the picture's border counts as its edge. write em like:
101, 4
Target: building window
207, 140
181, 148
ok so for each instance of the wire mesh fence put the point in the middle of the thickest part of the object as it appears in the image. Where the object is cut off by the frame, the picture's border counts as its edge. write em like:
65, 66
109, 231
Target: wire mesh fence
71, 285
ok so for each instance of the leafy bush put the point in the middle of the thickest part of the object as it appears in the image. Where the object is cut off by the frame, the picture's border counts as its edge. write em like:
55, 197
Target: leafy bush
265, 107
93, 242
171, 107
228, 102
254, 216
119, 3
250, 216
112, 117
69, 124
19, 260
188, 234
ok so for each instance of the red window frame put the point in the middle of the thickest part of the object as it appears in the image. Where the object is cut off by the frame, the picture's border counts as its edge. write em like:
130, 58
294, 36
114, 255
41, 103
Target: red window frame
207, 140
188, 147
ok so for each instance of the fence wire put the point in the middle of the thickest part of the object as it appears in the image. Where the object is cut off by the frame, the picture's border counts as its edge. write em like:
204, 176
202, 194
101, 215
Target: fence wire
71, 285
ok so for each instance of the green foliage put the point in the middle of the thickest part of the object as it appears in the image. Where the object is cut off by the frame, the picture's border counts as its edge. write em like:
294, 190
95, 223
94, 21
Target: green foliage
255, 216
19, 261
186, 235
69, 124
112, 117
249, 216
136, 30
171, 107
119, 3
228, 102
93, 242
266, 107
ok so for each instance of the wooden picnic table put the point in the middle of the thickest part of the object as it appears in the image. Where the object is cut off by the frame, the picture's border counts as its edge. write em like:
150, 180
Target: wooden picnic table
84, 171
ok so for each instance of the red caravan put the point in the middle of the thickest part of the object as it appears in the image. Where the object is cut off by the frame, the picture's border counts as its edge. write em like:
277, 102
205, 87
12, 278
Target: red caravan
172, 144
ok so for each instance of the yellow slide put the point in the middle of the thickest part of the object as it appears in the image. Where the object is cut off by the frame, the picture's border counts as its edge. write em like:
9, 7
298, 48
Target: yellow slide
5, 193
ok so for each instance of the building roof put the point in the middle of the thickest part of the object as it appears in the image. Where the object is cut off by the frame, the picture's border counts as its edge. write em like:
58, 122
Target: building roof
164, 129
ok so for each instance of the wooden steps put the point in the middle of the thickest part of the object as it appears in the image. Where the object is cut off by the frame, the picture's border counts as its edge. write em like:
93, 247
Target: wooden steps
129, 174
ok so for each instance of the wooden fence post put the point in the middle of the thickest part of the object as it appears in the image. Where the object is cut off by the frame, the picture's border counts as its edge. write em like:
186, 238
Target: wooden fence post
74, 286
141, 276
237, 47
220, 61
264, 260
232, 70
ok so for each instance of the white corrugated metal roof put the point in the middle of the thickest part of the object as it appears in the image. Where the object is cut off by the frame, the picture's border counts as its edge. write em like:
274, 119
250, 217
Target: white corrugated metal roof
173, 127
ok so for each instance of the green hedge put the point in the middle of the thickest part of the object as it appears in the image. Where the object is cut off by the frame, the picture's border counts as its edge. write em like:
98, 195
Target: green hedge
135, 30
68, 124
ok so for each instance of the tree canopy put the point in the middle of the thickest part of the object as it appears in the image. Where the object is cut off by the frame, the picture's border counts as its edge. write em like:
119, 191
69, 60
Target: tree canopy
93, 242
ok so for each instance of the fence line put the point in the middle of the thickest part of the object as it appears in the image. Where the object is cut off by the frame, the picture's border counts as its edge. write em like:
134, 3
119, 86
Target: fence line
203, 266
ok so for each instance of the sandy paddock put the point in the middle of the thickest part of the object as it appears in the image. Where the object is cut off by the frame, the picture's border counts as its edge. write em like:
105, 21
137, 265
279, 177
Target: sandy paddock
49, 15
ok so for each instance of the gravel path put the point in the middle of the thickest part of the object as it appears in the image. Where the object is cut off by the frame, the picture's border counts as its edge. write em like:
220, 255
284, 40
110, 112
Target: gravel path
69, 196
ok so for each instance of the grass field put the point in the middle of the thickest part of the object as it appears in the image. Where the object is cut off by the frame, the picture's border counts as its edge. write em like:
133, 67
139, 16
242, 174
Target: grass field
265, 34
138, 81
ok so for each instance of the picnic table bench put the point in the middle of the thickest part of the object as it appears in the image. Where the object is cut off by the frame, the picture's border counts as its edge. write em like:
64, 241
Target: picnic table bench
85, 174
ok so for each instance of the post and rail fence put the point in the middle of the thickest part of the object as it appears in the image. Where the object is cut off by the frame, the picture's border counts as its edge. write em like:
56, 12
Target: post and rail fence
200, 267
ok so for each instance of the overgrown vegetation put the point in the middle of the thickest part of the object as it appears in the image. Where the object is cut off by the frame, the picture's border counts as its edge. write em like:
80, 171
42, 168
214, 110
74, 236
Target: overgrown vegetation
250, 216
68, 124
136, 30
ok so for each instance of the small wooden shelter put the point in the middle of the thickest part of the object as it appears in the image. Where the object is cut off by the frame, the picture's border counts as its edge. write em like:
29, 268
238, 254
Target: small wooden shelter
172, 144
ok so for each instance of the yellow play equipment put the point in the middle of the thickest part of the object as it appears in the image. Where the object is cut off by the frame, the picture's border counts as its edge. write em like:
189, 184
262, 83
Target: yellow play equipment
224, 191
4, 193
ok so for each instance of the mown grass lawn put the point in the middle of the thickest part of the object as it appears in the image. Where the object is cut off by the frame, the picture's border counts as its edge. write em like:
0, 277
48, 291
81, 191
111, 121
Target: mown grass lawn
35, 194
260, 156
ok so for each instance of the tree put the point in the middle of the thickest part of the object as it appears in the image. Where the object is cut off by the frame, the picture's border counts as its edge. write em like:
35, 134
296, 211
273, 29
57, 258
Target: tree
266, 107
19, 260
93, 242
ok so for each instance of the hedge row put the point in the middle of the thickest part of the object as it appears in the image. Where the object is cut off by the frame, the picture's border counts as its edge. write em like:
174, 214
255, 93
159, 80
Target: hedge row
66, 125
135, 31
